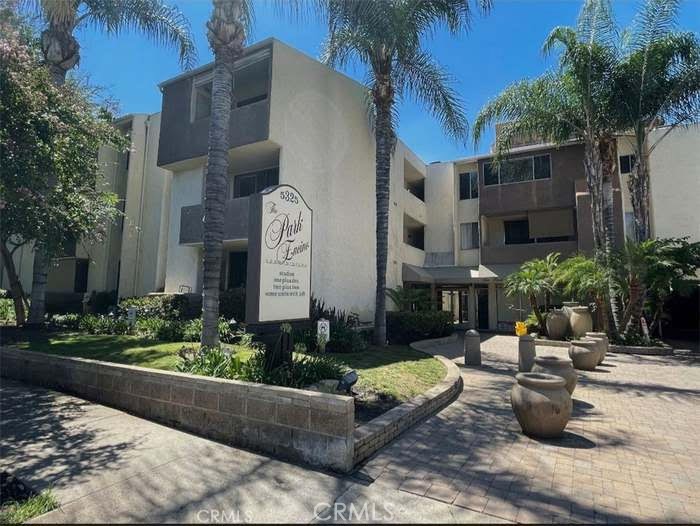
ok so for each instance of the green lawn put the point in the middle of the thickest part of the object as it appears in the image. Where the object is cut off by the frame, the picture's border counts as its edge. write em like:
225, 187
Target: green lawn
21, 512
387, 376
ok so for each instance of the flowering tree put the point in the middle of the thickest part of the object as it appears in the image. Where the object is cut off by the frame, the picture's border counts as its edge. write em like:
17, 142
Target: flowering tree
47, 130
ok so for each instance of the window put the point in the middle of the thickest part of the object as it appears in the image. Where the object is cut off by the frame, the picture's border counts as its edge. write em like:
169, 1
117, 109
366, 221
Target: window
627, 163
517, 232
253, 182
542, 167
201, 98
629, 226
468, 185
82, 266
518, 170
469, 236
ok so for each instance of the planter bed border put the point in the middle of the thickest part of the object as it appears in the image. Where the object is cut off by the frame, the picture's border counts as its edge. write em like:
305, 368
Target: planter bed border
293, 424
378, 432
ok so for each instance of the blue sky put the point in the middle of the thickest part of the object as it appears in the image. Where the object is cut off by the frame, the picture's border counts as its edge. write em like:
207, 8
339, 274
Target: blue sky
501, 48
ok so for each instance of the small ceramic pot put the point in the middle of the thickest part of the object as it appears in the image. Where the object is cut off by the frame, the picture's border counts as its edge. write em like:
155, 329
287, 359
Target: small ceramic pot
557, 324
580, 321
584, 353
541, 404
559, 367
605, 345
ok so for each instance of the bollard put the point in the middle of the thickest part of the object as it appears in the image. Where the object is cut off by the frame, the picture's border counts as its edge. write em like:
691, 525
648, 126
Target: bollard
472, 348
526, 353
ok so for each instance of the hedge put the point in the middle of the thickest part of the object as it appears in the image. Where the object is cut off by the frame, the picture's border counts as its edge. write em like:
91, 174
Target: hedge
407, 327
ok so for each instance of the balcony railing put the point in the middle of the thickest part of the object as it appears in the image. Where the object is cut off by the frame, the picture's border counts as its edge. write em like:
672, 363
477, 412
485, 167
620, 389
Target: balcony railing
521, 253
235, 221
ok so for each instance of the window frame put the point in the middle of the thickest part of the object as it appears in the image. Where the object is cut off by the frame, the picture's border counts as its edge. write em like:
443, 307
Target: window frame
257, 173
198, 82
471, 175
632, 161
475, 240
519, 158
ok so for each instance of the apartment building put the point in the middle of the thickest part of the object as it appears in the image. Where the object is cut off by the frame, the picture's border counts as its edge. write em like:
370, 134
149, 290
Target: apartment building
130, 260
457, 228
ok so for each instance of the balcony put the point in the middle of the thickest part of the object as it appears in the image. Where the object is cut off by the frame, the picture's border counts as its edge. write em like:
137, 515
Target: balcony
521, 253
235, 222
414, 207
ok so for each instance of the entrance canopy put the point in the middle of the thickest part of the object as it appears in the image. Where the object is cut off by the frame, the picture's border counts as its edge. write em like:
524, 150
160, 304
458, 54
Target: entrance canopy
454, 275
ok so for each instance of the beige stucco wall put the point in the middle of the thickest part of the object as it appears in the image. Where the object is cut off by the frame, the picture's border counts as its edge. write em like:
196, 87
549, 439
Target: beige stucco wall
319, 119
675, 183
440, 203
182, 261
146, 221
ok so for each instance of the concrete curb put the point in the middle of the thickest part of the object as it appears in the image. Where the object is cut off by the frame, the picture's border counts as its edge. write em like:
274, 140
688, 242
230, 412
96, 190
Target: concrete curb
375, 434
622, 349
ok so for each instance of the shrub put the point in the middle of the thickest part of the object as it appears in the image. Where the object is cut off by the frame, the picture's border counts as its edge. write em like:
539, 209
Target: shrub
304, 370
100, 302
165, 306
7, 310
345, 339
407, 327
68, 322
532, 324
93, 324
232, 304
215, 362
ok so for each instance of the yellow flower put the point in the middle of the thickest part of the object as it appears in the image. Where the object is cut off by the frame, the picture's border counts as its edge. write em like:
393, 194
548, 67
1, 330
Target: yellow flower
520, 328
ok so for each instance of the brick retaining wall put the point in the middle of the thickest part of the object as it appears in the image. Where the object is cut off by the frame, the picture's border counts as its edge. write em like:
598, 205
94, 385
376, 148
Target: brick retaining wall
304, 426
381, 430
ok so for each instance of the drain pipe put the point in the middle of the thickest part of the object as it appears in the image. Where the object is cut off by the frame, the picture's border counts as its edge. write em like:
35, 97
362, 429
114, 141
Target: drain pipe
139, 229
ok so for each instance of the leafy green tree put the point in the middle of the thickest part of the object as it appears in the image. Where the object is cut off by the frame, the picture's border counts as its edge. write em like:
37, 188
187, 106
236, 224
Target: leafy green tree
387, 39
61, 51
657, 83
47, 130
536, 277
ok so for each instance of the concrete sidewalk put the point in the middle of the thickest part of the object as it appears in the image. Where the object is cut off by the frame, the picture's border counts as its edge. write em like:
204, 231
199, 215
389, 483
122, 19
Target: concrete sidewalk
108, 466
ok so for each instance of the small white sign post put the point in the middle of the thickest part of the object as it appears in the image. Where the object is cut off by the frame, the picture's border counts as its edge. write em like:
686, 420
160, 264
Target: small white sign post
131, 316
323, 333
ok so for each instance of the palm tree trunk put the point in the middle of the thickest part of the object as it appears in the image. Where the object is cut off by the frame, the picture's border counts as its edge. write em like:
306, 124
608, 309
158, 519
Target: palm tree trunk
226, 38
383, 97
638, 184
633, 313
608, 151
15, 284
593, 167
61, 53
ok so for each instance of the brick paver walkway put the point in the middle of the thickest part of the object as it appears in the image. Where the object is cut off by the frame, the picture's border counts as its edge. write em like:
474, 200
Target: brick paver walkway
631, 452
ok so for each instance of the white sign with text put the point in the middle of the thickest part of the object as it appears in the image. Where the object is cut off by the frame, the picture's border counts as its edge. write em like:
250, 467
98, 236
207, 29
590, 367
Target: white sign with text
284, 241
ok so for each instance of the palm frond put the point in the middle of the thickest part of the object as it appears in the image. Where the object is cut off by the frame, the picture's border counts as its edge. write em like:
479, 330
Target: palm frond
655, 19
162, 23
426, 81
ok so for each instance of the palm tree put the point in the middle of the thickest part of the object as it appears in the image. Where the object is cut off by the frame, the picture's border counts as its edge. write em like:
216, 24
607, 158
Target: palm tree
386, 38
164, 24
570, 103
227, 29
658, 82
536, 277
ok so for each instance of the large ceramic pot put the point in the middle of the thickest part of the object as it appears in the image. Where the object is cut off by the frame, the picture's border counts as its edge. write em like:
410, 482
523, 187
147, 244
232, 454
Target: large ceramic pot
557, 324
580, 321
604, 345
566, 309
541, 404
584, 353
559, 367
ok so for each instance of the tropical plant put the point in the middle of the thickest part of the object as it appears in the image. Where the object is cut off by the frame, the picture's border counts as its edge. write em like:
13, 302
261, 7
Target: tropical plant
226, 32
584, 278
409, 298
656, 267
657, 82
535, 277
386, 38
47, 130
61, 52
